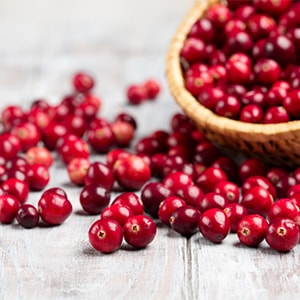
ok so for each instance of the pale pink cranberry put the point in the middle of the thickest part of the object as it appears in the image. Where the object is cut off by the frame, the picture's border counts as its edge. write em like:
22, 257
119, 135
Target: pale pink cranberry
39, 155
77, 170
123, 132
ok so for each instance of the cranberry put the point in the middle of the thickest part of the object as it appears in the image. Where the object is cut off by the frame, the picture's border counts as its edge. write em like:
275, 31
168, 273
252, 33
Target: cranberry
94, 198
228, 165
176, 181
193, 50
139, 231
206, 153
168, 206
131, 172
291, 103
51, 134
152, 88
77, 169
101, 174
75, 124
185, 220
277, 114
275, 96
272, 7
284, 184
211, 200
258, 180
191, 194
119, 212
266, 71
39, 155
9, 206
54, 208
101, 138
17, 188
123, 133
126, 117
235, 212
196, 83
229, 190
283, 235
105, 235
10, 145
131, 200
113, 155
38, 177
284, 208
147, 145
28, 216
204, 29
214, 225
250, 167
228, 107
240, 40
260, 26
251, 230
210, 96
244, 11
253, 97
257, 200
83, 82
218, 14
275, 173
152, 194
12, 115
251, 113
209, 178
136, 94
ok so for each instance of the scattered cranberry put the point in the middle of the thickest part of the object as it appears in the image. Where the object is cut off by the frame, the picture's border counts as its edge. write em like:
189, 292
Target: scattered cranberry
139, 231
39, 155
9, 206
83, 82
131, 200
77, 169
235, 212
17, 188
105, 235
28, 216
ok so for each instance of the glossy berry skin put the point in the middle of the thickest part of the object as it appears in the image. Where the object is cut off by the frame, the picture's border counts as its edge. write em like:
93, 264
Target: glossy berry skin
9, 206
94, 198
176, 181
54, 208
38, 177
123, 132
17, 188
28, 216
39, 155
214, 225
152, 194
283, 235
184, 220
152, 88
139, 231
291, 103
136, 94
168, 206
77, 169
212, 200
284, 208
83, 82
229, 190
101, 174
10, 145
118, 212
131, 200
131, 172
251, 230
105, 235
257, 200
250, 167
235, 212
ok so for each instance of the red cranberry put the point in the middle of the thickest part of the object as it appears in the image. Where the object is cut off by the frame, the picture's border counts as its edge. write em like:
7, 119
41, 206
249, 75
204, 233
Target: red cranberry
193, 50
229, 190
283, 235
275, 173
126, 117
240, 40
244, 11
152, 194
251, 230
136, 94
51, 134
228, 165
191, 194
253, 97
9, 206
177, 181
75, 124
113, 155
185, 220
168, 206
250, 167
77, 169
147, 145
83, 82
131, 200
211, 200
235, 212
291, 103
28, 216
101, 174
101, 138
272, 7
139, 231
123, 132
118, 212
10, 145
206, 153
196, 83
218, 14
209, 178
106, 235
94, 198
17, 188
228, 107
39, 155
284, 184
276, 114
266, 71
284, 208
131, 172
204, 29
210, 96
54, 208
260, 25
12, 115
38, 177
257, 200
152, 88
214, 225
251, 113
275, 96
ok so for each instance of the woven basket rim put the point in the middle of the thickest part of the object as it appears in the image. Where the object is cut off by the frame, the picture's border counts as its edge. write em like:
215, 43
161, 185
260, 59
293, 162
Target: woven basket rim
188, 102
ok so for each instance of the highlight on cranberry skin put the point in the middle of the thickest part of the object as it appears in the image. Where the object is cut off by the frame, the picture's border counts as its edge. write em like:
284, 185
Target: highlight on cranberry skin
83, 82
105, 235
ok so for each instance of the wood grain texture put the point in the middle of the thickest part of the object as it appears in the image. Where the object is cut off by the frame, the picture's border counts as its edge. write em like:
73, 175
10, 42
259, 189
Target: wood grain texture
42, 44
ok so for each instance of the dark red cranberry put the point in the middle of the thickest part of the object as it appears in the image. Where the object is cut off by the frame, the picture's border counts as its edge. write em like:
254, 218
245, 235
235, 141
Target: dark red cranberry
229, 107
28, 216
185, 220
218, 14
260, 25
251, 113
228, 165
229, 190
284, 184
266, 71
276, 114
203, 29
291, 103
250, 167
126, 117
191, 194
212, 200
139, 231
235, 212
241, 41
206, 153
193, 50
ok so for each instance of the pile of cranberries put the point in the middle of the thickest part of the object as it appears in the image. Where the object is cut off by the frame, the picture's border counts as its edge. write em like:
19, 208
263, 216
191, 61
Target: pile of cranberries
176, 177
241, 60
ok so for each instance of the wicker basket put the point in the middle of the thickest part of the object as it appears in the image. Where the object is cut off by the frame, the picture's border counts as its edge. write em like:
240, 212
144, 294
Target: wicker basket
275, 143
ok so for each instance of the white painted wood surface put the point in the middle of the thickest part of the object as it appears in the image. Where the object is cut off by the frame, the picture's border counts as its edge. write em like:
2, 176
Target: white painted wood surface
120, 42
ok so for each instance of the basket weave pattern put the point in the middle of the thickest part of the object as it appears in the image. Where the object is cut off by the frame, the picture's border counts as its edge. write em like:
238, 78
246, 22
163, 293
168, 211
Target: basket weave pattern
275, 143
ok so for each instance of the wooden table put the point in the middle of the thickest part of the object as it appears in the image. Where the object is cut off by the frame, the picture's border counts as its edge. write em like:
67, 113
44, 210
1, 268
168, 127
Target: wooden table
42, 44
